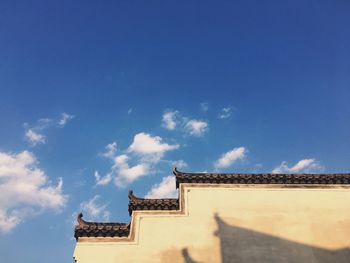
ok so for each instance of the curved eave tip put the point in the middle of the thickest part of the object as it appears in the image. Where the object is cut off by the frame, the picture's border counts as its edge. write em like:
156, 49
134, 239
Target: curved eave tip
175, 171
80, 219
131, 194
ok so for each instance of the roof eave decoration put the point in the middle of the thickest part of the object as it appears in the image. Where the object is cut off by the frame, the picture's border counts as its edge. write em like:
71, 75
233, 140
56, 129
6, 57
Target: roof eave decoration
96, 229
266, 178
137, 203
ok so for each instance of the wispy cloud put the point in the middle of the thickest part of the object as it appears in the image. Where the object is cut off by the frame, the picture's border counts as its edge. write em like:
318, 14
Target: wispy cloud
34, 137
173, 120
25, 190
103, 180
196, 127
94, 210
230, 157
65, 118
42, 124
110, 150
225, 113
34, 134
169, 120
305, 165
129, 111
165, 189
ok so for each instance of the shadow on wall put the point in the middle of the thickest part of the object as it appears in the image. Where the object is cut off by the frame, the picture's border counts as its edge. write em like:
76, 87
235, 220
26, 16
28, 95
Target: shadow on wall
246, 246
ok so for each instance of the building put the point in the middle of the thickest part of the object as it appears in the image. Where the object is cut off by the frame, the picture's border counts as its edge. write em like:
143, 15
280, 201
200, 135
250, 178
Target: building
267, 218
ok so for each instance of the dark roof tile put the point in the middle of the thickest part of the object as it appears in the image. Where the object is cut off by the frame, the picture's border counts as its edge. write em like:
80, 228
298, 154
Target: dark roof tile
269, 178
136, 203
94, 229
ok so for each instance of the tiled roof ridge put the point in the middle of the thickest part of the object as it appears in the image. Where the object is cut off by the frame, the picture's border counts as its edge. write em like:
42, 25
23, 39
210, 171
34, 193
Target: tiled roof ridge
99, 229
262, 178
137, 203
96, 229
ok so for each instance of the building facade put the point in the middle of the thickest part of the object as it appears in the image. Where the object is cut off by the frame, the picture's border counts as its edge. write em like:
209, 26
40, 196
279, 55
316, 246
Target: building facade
265, 218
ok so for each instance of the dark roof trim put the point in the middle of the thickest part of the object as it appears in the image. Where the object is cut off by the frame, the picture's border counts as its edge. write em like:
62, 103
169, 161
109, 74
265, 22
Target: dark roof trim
97, 229
292, 179
137, 203
94, 229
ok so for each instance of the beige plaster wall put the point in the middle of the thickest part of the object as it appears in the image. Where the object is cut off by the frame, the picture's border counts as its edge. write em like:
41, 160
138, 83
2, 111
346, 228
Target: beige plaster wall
235, 223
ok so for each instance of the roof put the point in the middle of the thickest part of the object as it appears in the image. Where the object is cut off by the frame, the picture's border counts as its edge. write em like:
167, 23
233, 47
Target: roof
96, 229
136, 203
268, 178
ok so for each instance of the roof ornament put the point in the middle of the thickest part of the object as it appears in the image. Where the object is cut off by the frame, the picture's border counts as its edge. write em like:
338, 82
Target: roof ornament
80, 220
175, 171
96, 229
132, 197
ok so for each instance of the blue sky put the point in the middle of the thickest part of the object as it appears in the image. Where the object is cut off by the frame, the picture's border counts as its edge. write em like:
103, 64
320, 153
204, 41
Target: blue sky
99, 98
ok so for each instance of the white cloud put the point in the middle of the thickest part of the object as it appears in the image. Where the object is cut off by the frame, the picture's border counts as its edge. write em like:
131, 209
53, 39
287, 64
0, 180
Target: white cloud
225, 113
129, 111
228, 158
146, 144
204, 106
95, 211
34, 134
121, 160
34, 138
65, 117
165, 189
111, 149
25, 190
196, 127
8, 220
140, 159
169, 121
179, 164
125, 174
305, 165
172, 120
102, 180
